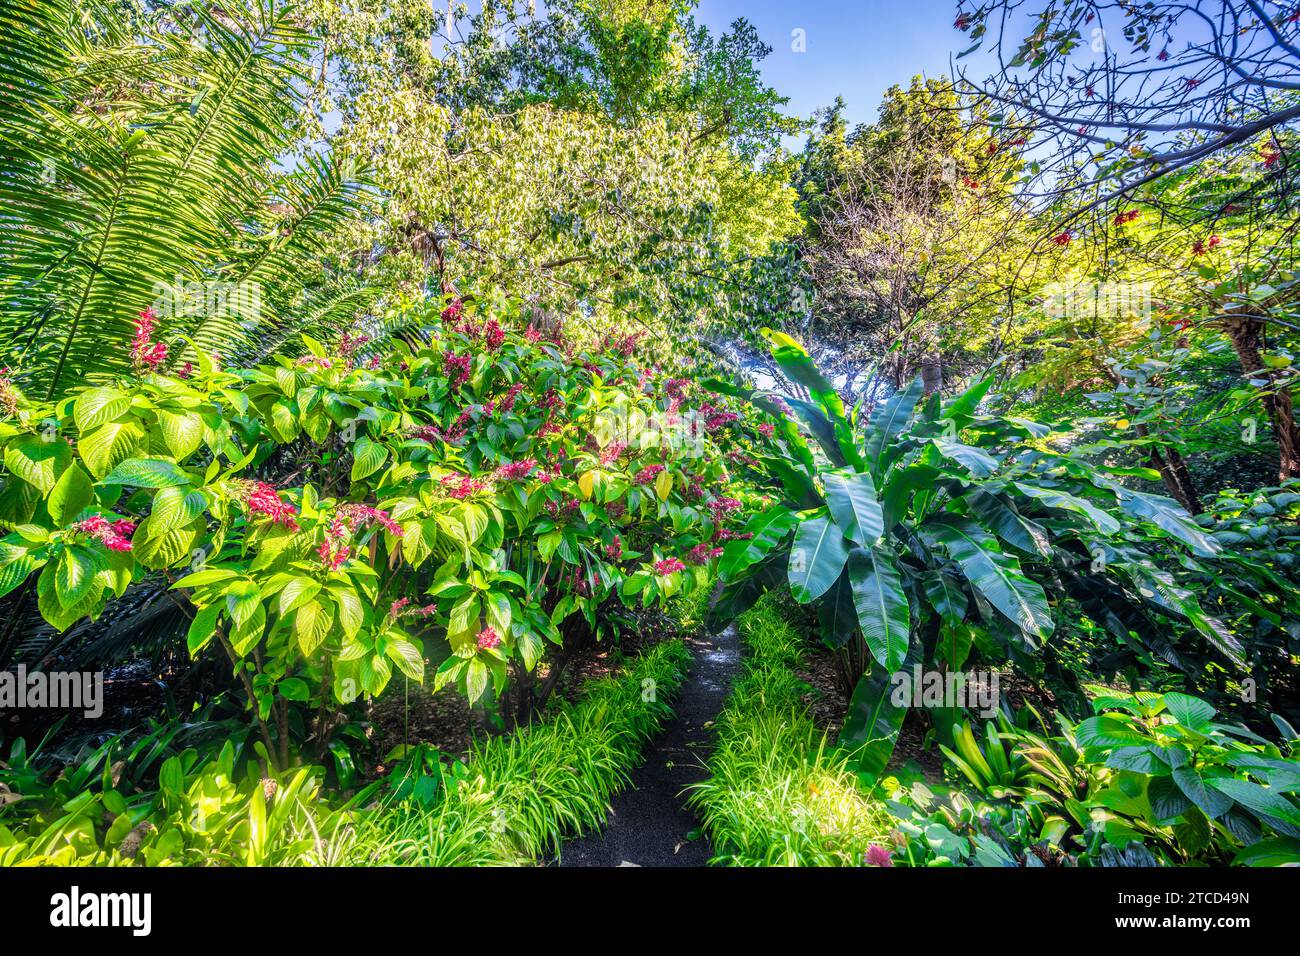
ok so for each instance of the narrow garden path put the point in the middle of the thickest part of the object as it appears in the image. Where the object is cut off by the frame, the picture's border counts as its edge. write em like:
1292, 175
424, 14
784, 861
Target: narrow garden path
648, 824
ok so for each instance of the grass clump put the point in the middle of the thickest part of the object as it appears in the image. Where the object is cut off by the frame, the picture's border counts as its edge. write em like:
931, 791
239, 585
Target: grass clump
779, 793
518, 797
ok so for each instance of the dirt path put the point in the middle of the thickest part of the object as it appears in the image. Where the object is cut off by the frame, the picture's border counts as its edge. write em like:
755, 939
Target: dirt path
648, 826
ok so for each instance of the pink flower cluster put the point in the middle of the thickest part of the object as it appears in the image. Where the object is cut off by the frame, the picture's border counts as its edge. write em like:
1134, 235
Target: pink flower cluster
1201, 246
452, 314
115, 536
721, 507
767, 429
507, 402
614, 550
516, 469
260, 498
462, 486
611, 453
648, 474
456, 368
552, 400
877, 855
668, 566
623, 345
356, 516
715, 418
488, 638
350, 343
333, 554
703, 554
146, 353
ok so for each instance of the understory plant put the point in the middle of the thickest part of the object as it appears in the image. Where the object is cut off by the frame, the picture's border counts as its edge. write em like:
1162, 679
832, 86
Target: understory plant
459, 507
1151, 779
518, 796
779, 792
935, 533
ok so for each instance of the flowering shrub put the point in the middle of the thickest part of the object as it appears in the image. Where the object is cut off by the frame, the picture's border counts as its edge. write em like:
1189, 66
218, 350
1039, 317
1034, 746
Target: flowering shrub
473, 501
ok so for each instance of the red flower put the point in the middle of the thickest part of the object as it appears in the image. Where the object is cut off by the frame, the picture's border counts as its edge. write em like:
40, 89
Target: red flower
333, 556
456, 368
703, 554
260, 498
515, 470
461, 486
668, 566
648, 474
1064, 239
614, 551
1202, 246
767, 429
1162, 55
488, 638
1127, 216
145, 353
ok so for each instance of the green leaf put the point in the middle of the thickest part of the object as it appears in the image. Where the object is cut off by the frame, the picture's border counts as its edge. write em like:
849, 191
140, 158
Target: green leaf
97, 406
72, 494
1213, 802
74, 573
1262, 801
149, 473
182, 432
1189, 711
852, 501
975, 460
887, 421
367, 458
881, 604
872, 724
109, 444
817, 557
994, 574
38, 462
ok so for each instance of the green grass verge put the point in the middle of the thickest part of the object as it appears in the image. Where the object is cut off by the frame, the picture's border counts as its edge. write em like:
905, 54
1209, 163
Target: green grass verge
778, 792
527, 792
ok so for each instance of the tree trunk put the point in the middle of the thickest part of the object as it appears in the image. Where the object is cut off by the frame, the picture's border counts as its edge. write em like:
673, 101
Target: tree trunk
1244, 331
931, 373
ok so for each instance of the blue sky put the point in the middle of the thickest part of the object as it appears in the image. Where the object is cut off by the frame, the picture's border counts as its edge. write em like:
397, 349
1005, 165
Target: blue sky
855, 48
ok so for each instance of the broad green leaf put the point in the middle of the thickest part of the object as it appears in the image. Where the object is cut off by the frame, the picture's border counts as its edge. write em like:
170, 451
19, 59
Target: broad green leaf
817, 557
102, 448
72, 494
997, 576
852, 501
367, 458
881, 605
36, 461
149, 473
96, 406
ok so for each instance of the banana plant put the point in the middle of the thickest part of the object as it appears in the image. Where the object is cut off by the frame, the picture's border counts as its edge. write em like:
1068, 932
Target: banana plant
931, 531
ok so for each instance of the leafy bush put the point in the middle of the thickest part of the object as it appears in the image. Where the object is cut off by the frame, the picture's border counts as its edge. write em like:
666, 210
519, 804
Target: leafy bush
520, 482
935, 532
1151, 779
778, 792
